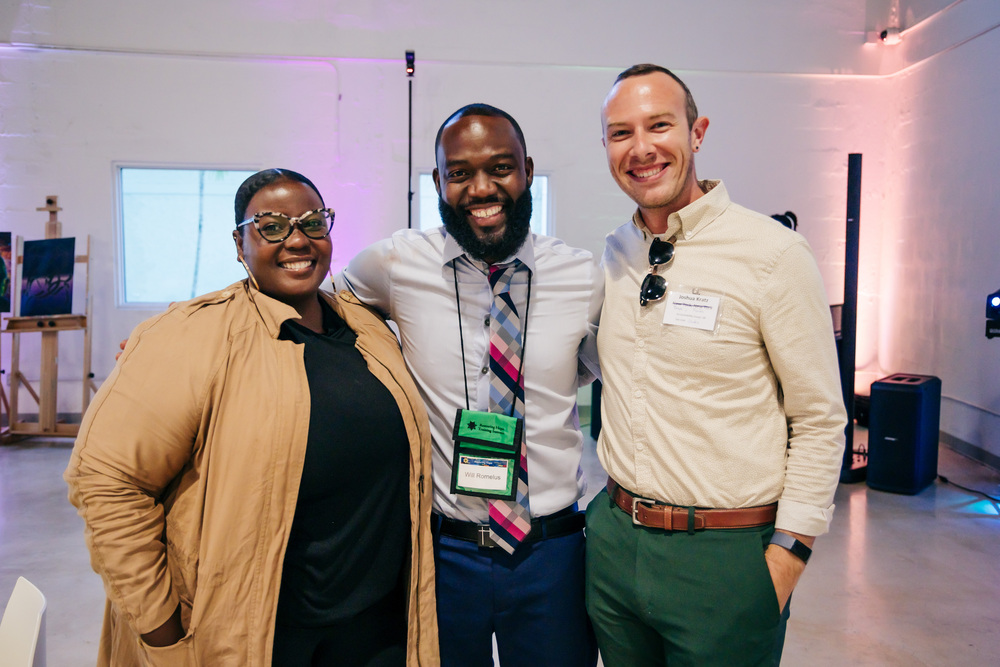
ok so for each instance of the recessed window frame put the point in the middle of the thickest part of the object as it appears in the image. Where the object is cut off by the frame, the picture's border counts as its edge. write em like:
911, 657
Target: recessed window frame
119, 222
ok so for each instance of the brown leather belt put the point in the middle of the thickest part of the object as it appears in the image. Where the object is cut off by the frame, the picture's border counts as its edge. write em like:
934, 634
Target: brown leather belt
652, 514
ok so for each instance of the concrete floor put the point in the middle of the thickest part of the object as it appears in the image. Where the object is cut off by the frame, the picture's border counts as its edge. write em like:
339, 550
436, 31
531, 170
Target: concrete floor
900, 580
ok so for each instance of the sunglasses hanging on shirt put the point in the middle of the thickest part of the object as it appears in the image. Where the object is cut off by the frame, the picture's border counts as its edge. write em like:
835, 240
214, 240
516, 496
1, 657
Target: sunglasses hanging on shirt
654, 286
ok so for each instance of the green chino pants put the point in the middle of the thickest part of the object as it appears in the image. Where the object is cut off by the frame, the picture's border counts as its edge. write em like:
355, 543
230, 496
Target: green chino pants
681, 599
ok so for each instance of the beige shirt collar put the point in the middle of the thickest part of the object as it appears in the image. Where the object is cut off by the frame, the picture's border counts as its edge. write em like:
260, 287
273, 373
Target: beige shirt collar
688, 221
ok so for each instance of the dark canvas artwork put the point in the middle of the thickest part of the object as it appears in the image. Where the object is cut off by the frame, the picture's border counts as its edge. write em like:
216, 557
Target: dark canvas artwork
47, 277
5, 272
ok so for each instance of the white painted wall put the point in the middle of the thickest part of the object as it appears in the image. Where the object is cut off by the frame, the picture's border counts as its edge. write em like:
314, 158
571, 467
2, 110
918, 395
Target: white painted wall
940, 251
790, 87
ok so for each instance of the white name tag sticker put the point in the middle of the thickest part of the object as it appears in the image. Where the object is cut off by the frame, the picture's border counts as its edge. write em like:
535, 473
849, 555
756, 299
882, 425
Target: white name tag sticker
688, 309
487, 474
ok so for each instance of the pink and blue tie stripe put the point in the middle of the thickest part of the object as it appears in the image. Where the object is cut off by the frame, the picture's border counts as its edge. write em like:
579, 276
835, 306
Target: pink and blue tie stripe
510, 520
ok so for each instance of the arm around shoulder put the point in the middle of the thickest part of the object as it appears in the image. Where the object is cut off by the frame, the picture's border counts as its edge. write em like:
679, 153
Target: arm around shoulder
369, 277
589, 366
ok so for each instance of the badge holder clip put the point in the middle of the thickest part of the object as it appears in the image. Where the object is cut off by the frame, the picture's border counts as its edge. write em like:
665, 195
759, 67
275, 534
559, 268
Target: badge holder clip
487, 454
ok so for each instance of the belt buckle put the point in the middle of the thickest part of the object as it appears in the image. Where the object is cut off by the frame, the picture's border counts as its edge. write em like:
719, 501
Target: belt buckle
483, 538
636, 500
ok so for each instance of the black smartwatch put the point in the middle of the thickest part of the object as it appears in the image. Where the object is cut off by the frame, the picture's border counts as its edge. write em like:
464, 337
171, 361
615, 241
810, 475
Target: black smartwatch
786, 541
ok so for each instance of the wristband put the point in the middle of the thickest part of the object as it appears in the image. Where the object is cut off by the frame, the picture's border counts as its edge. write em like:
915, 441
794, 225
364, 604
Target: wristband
786, 541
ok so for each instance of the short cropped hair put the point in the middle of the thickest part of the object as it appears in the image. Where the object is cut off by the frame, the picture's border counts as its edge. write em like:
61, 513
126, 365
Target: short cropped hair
261, 180
691, 109
480, 109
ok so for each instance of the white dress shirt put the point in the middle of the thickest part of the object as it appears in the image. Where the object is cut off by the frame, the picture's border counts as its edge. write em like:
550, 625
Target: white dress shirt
410, 278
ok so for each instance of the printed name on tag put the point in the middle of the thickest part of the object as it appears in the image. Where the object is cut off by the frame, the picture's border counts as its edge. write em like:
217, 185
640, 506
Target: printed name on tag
687, 309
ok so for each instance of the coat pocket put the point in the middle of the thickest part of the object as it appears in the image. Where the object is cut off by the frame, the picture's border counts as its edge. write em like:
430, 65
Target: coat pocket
181, 654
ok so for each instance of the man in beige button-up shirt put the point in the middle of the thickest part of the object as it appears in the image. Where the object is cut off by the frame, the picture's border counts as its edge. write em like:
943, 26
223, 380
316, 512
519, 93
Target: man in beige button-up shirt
723, 420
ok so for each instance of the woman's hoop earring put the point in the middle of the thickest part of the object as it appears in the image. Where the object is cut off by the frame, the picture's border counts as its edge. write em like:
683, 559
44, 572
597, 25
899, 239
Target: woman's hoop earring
249, 272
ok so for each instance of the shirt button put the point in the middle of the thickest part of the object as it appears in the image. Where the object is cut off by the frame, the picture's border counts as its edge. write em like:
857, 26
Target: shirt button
487, 321
486, 369
640, 344
638, 394
638, 446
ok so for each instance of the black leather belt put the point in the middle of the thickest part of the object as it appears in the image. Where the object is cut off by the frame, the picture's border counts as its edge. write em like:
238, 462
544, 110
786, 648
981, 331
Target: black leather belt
562, 523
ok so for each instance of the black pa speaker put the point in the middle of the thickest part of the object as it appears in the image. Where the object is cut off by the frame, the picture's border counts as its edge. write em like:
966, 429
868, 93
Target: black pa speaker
903, 432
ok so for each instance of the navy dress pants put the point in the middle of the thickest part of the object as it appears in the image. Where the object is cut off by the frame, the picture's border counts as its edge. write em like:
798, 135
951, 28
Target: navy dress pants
532, 600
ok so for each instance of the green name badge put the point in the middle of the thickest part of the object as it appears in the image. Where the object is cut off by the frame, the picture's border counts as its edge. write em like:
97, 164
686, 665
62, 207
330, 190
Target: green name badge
487, 455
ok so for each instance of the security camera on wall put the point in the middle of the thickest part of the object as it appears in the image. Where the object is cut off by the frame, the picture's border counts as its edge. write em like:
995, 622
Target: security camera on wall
993, 314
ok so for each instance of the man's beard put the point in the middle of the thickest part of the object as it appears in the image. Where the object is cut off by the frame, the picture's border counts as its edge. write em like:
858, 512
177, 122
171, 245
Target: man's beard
515, 231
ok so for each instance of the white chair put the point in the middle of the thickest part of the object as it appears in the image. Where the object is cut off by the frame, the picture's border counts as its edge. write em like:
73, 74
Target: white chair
22, 630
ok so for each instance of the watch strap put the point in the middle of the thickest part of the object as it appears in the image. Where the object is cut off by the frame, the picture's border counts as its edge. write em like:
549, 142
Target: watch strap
786, 541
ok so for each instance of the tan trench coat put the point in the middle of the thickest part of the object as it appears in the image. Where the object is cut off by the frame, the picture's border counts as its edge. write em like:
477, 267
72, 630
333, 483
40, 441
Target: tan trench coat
186, 473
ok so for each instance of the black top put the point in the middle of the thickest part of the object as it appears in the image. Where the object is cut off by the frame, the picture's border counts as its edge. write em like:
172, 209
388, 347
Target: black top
351, 534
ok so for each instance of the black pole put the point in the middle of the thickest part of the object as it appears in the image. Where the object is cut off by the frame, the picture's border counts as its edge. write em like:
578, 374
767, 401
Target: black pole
851, 471
410, 61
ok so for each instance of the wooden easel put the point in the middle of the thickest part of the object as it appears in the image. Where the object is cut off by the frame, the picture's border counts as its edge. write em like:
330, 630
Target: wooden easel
49, 326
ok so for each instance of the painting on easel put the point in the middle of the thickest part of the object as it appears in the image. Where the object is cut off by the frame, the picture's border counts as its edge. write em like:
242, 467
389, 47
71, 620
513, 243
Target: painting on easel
5, 272
47, 277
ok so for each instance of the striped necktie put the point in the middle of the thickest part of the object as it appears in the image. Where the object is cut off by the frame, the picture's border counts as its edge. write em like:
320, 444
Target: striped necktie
510, 520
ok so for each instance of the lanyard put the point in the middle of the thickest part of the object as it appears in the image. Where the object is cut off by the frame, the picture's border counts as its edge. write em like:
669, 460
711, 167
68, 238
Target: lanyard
461, 338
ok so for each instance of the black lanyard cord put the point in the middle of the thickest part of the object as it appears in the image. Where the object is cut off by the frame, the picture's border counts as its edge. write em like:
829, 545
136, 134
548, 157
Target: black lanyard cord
461, 339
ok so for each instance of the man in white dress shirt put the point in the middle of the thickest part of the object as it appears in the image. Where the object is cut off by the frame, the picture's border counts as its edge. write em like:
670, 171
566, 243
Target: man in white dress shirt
435, 286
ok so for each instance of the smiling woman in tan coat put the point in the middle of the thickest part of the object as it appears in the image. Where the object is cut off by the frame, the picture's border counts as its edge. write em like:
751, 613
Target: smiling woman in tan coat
252, 473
